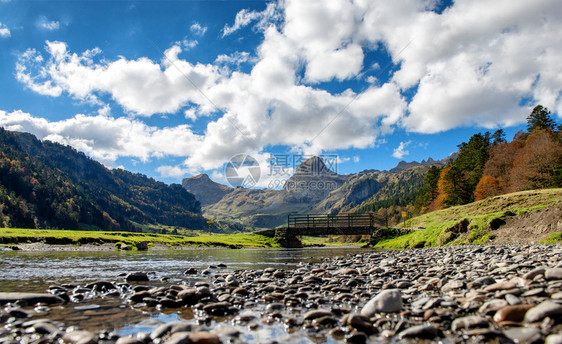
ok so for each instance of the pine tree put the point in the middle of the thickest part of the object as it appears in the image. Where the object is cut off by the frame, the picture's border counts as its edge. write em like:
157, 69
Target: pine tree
540, 119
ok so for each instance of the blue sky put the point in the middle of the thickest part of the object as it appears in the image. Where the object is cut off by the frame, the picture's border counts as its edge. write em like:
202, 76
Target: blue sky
176, 88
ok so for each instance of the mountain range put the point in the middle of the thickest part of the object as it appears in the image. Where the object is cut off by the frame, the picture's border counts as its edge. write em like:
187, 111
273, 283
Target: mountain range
313, 189
49, 185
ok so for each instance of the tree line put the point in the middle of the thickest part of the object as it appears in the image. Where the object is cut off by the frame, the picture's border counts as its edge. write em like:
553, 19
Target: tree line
487, 165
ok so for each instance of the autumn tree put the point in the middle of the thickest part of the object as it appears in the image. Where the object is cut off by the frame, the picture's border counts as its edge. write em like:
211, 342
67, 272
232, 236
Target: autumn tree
538, 164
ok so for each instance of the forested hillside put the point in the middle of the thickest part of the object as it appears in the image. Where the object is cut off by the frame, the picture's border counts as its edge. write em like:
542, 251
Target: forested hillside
48, 185
488, 165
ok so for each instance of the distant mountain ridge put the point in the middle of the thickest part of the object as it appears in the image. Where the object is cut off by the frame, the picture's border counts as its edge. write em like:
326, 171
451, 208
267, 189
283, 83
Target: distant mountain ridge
48, 185
313, 188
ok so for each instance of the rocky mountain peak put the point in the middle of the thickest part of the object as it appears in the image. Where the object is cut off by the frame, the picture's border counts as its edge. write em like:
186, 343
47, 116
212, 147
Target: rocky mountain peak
314, 167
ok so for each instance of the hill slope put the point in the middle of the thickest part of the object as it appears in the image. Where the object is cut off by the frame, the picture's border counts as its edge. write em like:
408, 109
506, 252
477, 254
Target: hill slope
520, 217
48, 185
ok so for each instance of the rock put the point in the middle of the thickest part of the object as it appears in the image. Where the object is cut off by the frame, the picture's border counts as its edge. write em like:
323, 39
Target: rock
232, 281
553, 274
29, 298
357, 338
420, 331
523, 334
387, 301
190, 271
169, 328
533, 273
492, 306
203, 338
317, 313
512, 299
217, 308
128, 340
142, 245
469, 322
554, 339
512, 313
178, 338
80, 337
124, 247
542, 310
137, 277
500, 286
359, 322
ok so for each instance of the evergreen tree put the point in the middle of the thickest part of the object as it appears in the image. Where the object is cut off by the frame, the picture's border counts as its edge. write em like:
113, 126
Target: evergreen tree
540, 119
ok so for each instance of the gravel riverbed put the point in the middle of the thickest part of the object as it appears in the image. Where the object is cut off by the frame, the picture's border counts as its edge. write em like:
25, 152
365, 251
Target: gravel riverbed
468, 294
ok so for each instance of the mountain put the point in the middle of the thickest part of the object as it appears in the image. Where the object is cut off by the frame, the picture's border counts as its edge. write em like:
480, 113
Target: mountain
48, 185
402, 165
204, 189
313, 188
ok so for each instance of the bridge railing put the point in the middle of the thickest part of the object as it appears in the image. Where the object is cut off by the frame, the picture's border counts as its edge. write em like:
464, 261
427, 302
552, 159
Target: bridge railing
334, 221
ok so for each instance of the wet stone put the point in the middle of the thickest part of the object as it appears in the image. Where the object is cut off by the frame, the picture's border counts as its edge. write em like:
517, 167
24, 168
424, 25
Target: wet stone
512, 313
420, 331
523, 334
137, 277
80, 337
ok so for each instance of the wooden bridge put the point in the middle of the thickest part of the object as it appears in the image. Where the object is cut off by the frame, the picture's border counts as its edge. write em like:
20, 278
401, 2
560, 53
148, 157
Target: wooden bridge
324, 224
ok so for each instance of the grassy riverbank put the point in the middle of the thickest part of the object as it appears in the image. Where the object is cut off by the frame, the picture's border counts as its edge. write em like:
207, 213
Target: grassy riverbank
14, 236
476, 223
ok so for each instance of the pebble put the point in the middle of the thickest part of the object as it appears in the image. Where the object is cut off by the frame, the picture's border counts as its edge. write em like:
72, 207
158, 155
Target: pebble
387, 301
448, 294
542, 310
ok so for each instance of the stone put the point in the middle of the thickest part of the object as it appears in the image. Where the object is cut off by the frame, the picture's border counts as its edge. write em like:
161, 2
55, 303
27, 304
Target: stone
523, 334
512, 299
203, 338
190, 271
137, 277
553, 274
232, 281
500, 286
469, 322
128, 340
512, 313
317, 313
80, 337
387, 301
142, 245
169, 328
492, 306
543, 310
359, 322
534, 273
29, 298
420, 331
179, 338
554, 339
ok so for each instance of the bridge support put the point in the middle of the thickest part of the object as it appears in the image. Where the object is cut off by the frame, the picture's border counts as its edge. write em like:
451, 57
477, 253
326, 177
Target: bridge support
286, 239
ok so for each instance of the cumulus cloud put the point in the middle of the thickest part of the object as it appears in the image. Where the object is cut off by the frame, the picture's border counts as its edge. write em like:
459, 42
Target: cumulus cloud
400, 151
4, 31
46, 24
106, 138
245, 17
470, 65
198, 29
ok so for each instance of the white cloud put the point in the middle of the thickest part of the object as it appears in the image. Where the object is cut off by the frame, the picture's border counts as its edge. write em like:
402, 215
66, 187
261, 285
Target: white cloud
400, 151
167, 171
107, 138
198, 29
356, 159
245, 17
4, 31
46, 24
471, 65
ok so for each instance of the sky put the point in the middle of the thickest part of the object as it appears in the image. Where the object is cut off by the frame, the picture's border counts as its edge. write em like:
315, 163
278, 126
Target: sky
172, 89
